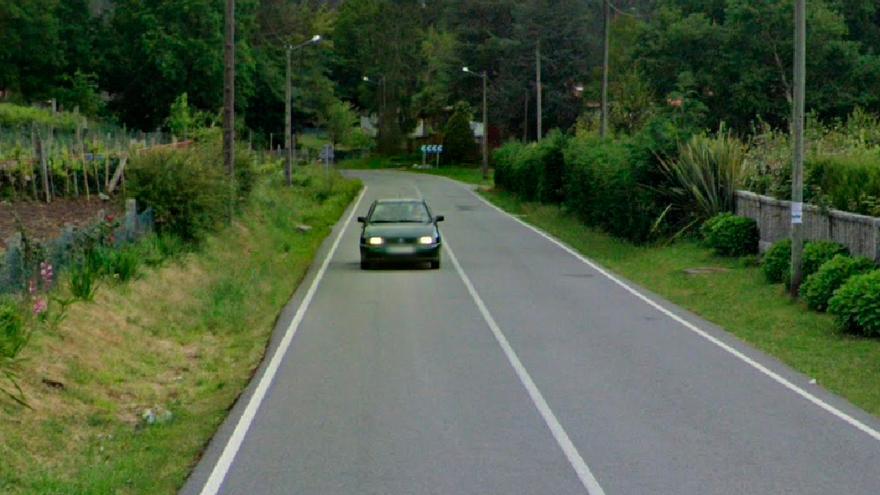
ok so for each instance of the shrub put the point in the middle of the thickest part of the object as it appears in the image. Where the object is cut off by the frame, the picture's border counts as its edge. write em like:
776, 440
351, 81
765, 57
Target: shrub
776, 263
856, 304
603, 187
458, 138
731, 235
820, 286
504, 158
818, 253
849, 182
188, 192
551, 151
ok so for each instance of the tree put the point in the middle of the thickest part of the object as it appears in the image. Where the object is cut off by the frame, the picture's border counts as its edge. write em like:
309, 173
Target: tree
458, 138
339, 119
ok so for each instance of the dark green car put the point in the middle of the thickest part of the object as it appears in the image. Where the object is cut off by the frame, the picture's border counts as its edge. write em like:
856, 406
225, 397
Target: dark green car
400, 231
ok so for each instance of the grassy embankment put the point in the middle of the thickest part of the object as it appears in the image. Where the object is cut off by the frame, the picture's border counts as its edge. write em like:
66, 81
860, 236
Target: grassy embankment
184, 337
735, 297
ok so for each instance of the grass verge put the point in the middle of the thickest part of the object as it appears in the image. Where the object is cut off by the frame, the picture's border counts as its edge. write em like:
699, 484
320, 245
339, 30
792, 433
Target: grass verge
181, 341
733, 294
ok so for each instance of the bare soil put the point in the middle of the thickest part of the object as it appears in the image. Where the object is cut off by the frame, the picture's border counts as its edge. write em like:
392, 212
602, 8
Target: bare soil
44, 221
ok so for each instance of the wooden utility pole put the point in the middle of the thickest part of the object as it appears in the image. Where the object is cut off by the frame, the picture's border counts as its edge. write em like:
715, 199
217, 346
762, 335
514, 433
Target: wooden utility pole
485, 142
797, 128
288, 148
229, 98
526, 119
603, 130
538, 88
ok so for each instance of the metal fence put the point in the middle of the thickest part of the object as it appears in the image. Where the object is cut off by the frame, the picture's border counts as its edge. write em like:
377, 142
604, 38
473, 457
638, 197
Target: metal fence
859, 233
60, 251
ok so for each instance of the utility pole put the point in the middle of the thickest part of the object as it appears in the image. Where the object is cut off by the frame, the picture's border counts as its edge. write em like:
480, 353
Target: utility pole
797, 127
526, 119
603, 131
288, 153
229, 98
538, 88
485, 143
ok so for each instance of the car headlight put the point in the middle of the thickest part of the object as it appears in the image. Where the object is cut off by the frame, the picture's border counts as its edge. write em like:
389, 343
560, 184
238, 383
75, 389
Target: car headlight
426, 240
375, 241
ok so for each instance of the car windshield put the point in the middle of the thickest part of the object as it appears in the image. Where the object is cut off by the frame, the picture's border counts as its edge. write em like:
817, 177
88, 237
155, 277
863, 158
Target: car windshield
402, 212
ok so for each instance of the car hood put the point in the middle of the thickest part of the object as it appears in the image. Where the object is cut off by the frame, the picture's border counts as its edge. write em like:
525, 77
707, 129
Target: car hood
399, 229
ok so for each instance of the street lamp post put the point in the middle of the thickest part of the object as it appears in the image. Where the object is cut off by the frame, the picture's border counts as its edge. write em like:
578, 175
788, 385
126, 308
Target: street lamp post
485, 141
288, 112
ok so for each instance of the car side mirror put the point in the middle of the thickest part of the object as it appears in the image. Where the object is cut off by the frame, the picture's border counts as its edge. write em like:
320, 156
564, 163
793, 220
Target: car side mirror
439, 218
362, 219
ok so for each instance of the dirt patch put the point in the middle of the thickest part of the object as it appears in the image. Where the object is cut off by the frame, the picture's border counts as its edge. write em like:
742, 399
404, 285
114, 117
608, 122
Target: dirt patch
45, 221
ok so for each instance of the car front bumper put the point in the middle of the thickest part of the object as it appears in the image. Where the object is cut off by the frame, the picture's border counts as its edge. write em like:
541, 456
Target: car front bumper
393, 253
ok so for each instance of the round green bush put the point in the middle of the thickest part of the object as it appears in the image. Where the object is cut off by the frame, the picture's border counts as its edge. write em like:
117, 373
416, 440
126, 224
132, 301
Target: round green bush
820, 286
731, 235
187, 190
817, 253
776, 262
856, 304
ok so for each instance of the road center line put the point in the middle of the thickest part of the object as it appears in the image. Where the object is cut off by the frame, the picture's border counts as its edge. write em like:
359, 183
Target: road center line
218, 474
690, 326
574, 457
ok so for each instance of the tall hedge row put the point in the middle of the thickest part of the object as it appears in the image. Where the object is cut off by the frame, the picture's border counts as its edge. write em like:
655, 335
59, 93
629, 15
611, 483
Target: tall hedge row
602, 182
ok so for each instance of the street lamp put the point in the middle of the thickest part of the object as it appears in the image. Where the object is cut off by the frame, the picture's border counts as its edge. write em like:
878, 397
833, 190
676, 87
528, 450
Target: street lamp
485, 142
288, 133
381, 83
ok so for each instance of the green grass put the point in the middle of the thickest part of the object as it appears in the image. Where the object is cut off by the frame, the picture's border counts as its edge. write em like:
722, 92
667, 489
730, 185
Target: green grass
736, 298
185, 336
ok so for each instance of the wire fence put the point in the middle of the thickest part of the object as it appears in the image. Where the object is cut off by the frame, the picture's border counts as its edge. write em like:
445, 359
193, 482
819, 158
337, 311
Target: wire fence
16, 270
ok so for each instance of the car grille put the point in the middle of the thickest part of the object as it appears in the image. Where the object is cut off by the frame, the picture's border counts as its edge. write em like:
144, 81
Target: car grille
401, 240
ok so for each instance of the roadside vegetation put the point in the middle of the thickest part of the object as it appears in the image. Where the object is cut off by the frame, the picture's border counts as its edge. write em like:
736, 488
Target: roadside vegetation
120, 368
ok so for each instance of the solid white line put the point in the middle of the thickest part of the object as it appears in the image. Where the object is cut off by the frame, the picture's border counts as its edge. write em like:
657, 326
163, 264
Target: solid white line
212, 486
574, 457
690, 326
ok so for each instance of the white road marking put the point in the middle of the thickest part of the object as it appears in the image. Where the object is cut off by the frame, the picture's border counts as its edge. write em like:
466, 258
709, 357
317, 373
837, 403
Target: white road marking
574, 457
212, 486
690, 326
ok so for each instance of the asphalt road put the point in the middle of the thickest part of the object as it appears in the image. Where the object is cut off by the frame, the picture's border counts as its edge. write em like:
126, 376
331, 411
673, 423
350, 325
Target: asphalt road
519, 368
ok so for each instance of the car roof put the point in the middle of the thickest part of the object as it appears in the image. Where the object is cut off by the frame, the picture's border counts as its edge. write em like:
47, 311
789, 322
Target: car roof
399, 200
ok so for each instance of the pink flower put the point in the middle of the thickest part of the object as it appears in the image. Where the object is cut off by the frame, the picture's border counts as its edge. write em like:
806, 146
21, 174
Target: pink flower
40, 306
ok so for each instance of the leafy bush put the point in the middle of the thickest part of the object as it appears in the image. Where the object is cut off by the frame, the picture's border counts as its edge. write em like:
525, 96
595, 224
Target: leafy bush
817, 253
604, 187
856, 304
819, 287
731, 235
458, 138
776, 263
504, 158
849, 182
188, 192
551, 176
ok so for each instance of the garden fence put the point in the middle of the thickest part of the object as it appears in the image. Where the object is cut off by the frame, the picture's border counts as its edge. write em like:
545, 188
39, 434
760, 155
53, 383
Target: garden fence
60, 251
859, 233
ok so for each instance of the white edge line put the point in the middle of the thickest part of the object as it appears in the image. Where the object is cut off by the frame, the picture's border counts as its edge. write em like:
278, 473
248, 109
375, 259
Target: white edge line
568, 448
218, 474
690, 326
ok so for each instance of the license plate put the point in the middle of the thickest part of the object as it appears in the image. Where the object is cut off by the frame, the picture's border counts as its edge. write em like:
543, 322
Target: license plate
401, 250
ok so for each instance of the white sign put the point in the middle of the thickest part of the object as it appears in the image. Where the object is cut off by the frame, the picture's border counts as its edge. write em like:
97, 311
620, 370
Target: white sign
797, 213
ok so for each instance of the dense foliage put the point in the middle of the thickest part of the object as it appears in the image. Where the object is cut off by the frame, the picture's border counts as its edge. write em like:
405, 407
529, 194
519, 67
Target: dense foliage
819, 287
856, 305
458, 139
731, 235
817, 253
776, 262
